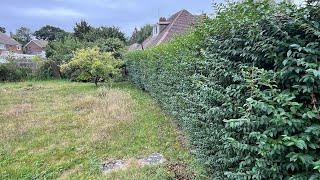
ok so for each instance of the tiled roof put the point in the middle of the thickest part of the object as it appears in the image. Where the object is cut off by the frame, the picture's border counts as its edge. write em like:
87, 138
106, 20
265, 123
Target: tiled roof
180, 22
5, 39
134, 46
40, 43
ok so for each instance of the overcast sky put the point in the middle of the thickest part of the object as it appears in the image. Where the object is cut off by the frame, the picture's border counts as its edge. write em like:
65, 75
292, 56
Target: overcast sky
125, 14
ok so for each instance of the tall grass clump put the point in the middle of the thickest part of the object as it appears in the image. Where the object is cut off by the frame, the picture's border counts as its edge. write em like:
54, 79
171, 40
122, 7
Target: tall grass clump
245, 85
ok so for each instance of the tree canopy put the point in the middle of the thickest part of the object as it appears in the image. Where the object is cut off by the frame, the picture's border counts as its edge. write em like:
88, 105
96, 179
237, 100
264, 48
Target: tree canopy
105, 33
61, 51
2, 29
112, 45
81, 29
91, 65
139, 35
50, 33
23, 35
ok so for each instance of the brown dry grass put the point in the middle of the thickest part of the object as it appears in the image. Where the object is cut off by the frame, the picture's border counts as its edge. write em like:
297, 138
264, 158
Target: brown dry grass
69, 172
66, 129
106, 110
18, 110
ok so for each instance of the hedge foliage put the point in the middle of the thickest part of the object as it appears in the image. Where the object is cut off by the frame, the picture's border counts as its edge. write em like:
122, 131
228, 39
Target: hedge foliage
245, 85
10, 72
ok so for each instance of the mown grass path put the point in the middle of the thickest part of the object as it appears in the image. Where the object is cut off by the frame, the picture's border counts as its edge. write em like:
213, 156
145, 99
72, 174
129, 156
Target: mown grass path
58, 129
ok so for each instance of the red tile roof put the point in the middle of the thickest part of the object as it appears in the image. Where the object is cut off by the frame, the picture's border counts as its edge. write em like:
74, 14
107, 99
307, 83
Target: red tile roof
178, 23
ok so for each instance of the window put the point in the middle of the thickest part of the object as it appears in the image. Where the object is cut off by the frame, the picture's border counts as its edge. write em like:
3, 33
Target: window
2, 46
155, 30
18, 47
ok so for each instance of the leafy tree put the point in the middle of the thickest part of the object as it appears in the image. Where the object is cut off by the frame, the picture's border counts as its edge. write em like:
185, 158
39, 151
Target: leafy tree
81, 29
112, 45
91, 65
50, 33
61, 51
105, 33
138, 36
23, 35
2, 29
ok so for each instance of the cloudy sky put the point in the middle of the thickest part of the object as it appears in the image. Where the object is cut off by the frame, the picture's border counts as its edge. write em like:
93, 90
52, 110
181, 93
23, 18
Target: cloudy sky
125, 14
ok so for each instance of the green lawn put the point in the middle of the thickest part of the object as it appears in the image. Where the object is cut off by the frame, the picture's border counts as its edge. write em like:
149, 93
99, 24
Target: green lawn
58, 129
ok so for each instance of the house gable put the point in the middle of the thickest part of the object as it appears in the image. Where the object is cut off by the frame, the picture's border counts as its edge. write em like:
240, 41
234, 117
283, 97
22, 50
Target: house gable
7, 44
35, 47
177, 24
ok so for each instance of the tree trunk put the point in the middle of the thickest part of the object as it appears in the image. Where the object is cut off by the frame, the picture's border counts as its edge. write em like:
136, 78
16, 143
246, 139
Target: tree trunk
96, 81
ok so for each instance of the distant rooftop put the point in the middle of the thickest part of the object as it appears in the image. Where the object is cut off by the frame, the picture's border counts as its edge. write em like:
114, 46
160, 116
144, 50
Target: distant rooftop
166, 29
5, 39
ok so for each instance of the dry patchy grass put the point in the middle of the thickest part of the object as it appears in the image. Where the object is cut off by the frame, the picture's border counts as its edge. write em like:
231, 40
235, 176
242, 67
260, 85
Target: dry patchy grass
56, 129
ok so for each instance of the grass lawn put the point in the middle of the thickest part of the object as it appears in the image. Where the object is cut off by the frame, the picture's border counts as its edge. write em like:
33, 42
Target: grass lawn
59, 129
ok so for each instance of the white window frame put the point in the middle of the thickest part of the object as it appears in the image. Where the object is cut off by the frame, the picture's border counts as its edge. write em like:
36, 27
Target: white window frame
18, 47
2, 46
155, 30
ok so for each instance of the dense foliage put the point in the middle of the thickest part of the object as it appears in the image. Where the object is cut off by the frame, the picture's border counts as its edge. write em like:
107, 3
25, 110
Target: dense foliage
112, 45
3, 29
23, 35
48, 69
61, 51
12, 72
91, 65
139, 35
81, 29
104, 33
50, 33
245, 85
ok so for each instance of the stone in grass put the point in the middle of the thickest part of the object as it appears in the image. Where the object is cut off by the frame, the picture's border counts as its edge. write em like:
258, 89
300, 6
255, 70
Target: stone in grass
113, 165
119, 164
153, 159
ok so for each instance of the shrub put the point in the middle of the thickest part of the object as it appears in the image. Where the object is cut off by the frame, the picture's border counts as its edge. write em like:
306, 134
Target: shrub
112, 45
91, 65
48, 69
245, 86
12, 72
61, 51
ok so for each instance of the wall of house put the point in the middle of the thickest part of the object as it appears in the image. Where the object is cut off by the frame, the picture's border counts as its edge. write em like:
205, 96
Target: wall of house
33, 48
14, 49
2, 48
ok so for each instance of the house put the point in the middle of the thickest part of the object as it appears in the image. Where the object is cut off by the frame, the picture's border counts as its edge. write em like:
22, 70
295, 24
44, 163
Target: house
36, 47
166, 29
9, 45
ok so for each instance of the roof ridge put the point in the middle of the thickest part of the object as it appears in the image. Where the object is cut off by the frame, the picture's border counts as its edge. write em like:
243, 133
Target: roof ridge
8, 39
37, 41
170, 26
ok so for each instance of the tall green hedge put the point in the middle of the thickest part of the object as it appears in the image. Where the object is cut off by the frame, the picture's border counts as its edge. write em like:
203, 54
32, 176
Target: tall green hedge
245, 85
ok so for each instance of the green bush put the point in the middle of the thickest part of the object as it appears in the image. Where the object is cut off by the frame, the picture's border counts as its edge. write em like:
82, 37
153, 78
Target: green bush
245, 85
47, 69
10, 72
91, 65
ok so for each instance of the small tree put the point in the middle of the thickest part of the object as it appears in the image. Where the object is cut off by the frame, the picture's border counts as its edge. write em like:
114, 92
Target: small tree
61, 51
113, 45
81, 29
91, 65
139, 36
23, 35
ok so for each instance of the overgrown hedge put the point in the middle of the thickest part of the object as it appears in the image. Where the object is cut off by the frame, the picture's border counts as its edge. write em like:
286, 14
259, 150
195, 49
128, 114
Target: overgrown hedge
10, 72
245, 85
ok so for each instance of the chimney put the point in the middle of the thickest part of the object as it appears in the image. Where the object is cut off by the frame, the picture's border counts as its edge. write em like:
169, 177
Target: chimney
163, 23
11, 34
